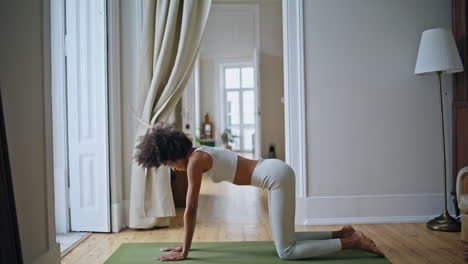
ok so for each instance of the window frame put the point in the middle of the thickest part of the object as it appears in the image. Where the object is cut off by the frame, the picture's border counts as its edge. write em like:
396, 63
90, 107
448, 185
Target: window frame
223, 99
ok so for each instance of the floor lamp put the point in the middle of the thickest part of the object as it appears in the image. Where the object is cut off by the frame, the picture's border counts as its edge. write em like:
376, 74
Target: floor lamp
438, 54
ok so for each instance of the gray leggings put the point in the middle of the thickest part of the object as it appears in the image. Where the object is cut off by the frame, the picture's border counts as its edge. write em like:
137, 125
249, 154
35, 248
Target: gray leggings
279, 179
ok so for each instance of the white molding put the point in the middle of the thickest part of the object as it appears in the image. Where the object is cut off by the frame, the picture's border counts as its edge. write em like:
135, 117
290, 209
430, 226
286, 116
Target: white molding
117, 217
363, 209
369, 220
197, 84
258, 86
59, 112
216, 57
62, 200
126, 213
372, 196
115, 111
47, 81
294, 92
256, 10
139, 30
120, 215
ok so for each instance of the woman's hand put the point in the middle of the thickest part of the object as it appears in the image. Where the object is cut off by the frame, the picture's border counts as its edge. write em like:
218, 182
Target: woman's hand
173, 249
171, 256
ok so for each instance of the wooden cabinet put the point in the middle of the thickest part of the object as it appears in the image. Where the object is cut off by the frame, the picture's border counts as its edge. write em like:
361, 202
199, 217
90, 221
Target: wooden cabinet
179, 185
460, 86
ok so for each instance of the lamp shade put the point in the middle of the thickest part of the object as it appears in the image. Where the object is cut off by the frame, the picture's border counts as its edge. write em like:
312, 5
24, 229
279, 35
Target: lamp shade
438, 52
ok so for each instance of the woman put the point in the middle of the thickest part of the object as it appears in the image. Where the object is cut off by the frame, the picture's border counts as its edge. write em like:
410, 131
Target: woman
165, 145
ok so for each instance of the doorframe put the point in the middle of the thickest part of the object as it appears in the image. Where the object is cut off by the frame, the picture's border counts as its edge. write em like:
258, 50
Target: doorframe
258, 84
52, 254
117, 207
58, 104
294, 92
217, 58
196, 76
59, 113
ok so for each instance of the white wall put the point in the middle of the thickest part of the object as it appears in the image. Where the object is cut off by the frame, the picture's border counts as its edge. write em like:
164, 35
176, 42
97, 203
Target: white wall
209, 96
230, 35
271, 77
373, 128
26, 101
230, 31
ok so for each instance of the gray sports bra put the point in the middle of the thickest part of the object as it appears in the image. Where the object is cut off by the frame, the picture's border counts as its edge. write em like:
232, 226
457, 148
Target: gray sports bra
224, 164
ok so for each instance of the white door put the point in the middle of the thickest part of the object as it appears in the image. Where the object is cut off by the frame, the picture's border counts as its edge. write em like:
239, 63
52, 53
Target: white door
86, 65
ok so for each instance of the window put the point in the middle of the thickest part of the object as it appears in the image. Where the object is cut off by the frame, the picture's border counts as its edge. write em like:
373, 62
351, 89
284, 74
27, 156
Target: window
239, 100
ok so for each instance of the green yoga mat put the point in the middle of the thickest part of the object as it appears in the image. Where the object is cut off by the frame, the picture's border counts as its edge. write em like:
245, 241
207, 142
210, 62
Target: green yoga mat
245, 252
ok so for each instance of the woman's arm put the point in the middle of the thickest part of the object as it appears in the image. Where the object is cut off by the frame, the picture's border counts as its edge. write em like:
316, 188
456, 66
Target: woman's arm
194, 177
196, 166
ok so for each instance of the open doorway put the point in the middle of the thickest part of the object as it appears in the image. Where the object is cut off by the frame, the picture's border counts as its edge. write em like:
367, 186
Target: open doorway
237, 78
80, 127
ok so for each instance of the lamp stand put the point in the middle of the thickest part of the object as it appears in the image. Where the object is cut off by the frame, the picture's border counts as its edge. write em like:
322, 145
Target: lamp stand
444, 222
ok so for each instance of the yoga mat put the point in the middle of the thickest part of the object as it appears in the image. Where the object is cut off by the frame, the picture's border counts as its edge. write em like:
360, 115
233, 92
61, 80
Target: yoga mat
244, 252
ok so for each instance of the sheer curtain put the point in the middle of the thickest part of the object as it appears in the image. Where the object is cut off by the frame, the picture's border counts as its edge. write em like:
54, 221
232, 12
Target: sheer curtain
172, 32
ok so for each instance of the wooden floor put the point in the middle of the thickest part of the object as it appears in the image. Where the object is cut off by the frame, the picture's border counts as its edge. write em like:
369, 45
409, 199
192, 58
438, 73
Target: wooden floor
239, 213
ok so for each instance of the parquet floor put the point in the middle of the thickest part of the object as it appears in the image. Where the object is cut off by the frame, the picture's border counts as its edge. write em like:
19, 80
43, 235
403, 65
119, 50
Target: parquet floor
239, 213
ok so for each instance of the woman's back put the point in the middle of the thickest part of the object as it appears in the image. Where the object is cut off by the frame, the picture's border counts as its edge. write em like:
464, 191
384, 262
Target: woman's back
228, 166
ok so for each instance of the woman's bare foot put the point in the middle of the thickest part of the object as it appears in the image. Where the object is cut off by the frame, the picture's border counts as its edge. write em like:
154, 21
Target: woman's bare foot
347, 231
368, 244
344, 232
360, 241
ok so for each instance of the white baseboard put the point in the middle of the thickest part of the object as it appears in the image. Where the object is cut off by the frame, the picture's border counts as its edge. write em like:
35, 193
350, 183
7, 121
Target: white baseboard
368, 209
52, 256
369, 220
338, 210
119, 215
126, 217
61, 200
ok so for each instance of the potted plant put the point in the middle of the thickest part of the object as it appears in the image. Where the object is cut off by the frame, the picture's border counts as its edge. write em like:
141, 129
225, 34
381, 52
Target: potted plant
197, 136
227, 137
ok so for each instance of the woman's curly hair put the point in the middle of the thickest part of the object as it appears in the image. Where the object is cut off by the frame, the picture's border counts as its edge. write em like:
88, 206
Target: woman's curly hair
162, 144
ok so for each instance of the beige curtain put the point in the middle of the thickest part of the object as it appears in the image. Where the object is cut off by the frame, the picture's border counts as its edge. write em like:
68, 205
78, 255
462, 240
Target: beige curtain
172, 31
